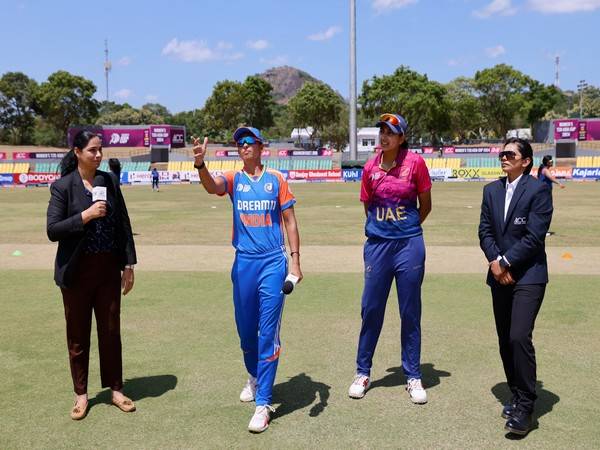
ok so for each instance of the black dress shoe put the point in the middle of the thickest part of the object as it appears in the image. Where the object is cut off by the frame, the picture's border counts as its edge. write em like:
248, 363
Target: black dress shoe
519, 423
508, 411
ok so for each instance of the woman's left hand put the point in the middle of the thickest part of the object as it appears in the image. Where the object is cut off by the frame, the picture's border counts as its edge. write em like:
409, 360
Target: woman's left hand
127, 280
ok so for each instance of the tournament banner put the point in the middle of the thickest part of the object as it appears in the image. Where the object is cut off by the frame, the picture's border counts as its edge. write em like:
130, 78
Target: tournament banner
34, 178
47, 155
6, 178
468, 150
352, 174
558, 172
586, 173
470, 173
319, 152
440, 173
315, 175
566, 129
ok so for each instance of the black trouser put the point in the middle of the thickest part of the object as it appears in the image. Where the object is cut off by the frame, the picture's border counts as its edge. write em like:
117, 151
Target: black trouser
154, 183
515, 310
96, 287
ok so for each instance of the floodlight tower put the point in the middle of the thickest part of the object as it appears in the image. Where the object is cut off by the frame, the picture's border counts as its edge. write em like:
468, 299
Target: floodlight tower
107, 65
581, 88
557, 71
352, 124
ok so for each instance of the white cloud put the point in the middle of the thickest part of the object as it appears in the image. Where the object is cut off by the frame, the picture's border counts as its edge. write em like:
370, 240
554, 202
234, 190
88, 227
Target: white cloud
563, 6
260, 44
325, 35
151, 98
453, 62
494, 52
199, 51
124, 61
276, 61
496, 7
385, 5
123, 93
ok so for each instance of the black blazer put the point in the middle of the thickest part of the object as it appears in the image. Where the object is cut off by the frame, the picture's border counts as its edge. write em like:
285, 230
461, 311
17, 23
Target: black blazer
521, 237
65, 225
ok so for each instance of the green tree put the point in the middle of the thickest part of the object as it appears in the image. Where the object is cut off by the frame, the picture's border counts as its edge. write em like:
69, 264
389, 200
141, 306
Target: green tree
224, 109
192, 120
465, 115
17, 103
540, 99
156, 111
423, 103
315, 105
590, 103
337, 133
282, 123
65, 100
502, 95
258, 105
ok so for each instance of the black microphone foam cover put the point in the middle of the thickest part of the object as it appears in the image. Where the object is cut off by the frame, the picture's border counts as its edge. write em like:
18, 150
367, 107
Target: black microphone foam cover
99, 181
288, 287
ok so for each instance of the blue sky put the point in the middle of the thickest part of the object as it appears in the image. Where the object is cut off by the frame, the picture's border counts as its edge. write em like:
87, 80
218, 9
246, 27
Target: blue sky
174, 52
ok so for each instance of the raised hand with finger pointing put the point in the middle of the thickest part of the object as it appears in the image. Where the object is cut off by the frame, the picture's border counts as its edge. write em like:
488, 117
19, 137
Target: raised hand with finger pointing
199, 151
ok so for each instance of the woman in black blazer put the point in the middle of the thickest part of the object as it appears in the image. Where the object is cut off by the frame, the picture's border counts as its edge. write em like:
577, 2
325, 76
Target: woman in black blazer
94, 261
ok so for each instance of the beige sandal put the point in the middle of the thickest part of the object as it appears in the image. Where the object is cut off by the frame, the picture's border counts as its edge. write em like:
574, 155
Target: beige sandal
78, 412
125, 404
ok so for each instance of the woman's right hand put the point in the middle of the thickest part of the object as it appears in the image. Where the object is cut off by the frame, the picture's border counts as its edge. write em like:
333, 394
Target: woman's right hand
199, 150
95, 211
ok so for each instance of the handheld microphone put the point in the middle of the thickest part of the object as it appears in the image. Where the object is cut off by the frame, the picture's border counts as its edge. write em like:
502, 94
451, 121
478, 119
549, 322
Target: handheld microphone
99, 189
289, 283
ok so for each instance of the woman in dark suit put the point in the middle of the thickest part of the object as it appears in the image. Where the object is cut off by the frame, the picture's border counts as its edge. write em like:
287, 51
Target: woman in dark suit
94, 261
515, 216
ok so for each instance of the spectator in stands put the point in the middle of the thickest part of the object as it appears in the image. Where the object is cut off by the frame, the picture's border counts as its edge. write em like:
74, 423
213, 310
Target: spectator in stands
261, 202
155, 178
94, 261
396, 193
515, 215
544, 174
115, 168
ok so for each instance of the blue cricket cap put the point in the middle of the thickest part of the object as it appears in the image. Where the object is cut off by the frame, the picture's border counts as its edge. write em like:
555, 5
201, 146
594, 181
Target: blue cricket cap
395, 122
244, 131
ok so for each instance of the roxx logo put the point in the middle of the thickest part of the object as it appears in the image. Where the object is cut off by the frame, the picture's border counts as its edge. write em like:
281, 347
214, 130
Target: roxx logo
465, 173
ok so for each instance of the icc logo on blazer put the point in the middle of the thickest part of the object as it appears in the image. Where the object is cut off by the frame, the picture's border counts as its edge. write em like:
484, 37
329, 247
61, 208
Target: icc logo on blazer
520, 221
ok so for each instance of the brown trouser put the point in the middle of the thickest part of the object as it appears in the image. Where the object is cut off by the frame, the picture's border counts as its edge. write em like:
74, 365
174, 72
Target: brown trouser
96, 286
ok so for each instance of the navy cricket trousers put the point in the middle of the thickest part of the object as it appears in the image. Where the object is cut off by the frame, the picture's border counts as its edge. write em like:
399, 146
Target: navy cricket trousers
386, 259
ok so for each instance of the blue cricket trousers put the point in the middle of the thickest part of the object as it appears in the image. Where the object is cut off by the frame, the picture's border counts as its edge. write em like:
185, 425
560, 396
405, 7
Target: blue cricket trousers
386, 259
258, 303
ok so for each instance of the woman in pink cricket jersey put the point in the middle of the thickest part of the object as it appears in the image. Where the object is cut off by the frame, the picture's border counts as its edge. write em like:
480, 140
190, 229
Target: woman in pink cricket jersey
396, 193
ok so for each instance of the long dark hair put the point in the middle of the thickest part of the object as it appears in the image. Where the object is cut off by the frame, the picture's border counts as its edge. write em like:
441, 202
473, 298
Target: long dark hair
69, 161
525, 150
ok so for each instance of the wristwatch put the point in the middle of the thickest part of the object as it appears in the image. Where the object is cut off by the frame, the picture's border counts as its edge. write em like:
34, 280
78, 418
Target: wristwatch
200, 166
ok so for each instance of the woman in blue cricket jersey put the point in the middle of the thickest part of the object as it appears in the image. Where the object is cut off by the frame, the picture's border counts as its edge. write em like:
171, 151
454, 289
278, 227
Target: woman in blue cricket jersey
396, 193
261, 202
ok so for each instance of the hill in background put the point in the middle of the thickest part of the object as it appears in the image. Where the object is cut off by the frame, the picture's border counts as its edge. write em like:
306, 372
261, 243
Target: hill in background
286, 81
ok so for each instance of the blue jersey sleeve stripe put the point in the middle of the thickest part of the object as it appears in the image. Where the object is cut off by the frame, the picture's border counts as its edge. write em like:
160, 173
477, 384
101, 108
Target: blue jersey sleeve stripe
287, 205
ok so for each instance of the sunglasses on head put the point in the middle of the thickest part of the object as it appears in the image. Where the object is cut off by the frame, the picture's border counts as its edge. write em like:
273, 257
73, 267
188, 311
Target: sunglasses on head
389, 118
247, 140
509, 154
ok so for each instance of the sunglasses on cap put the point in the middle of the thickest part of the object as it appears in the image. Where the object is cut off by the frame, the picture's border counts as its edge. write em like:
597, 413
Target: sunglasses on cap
389, 118
247, 140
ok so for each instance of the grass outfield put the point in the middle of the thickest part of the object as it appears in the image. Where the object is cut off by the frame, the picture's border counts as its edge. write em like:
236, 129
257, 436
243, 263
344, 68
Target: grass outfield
183, 367
328, 214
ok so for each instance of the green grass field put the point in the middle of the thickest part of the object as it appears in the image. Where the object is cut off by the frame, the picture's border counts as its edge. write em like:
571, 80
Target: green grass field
183, 366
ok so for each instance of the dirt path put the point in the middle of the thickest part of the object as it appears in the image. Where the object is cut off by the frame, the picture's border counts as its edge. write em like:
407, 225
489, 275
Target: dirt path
315, 259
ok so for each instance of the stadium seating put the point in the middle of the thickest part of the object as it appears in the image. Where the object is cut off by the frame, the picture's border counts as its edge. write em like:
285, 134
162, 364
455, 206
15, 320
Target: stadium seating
14, 167
588, 161
443, 163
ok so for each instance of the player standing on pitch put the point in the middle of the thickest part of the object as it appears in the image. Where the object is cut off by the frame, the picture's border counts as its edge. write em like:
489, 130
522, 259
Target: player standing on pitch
261, 199
396, 193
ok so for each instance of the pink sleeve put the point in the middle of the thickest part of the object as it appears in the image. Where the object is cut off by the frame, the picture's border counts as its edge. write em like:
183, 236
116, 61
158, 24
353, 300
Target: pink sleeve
422, 179
365, 184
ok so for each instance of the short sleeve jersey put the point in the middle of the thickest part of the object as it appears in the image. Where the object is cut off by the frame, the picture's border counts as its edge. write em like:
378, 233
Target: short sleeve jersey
392, 196
257, 210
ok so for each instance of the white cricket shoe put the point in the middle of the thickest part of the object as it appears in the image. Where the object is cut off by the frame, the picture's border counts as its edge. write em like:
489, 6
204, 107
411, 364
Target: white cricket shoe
249, 391
359, 386
261, 418
416, 391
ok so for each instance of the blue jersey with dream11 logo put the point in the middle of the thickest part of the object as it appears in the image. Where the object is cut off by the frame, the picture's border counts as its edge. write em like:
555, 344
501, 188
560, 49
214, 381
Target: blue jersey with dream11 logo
257, 208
